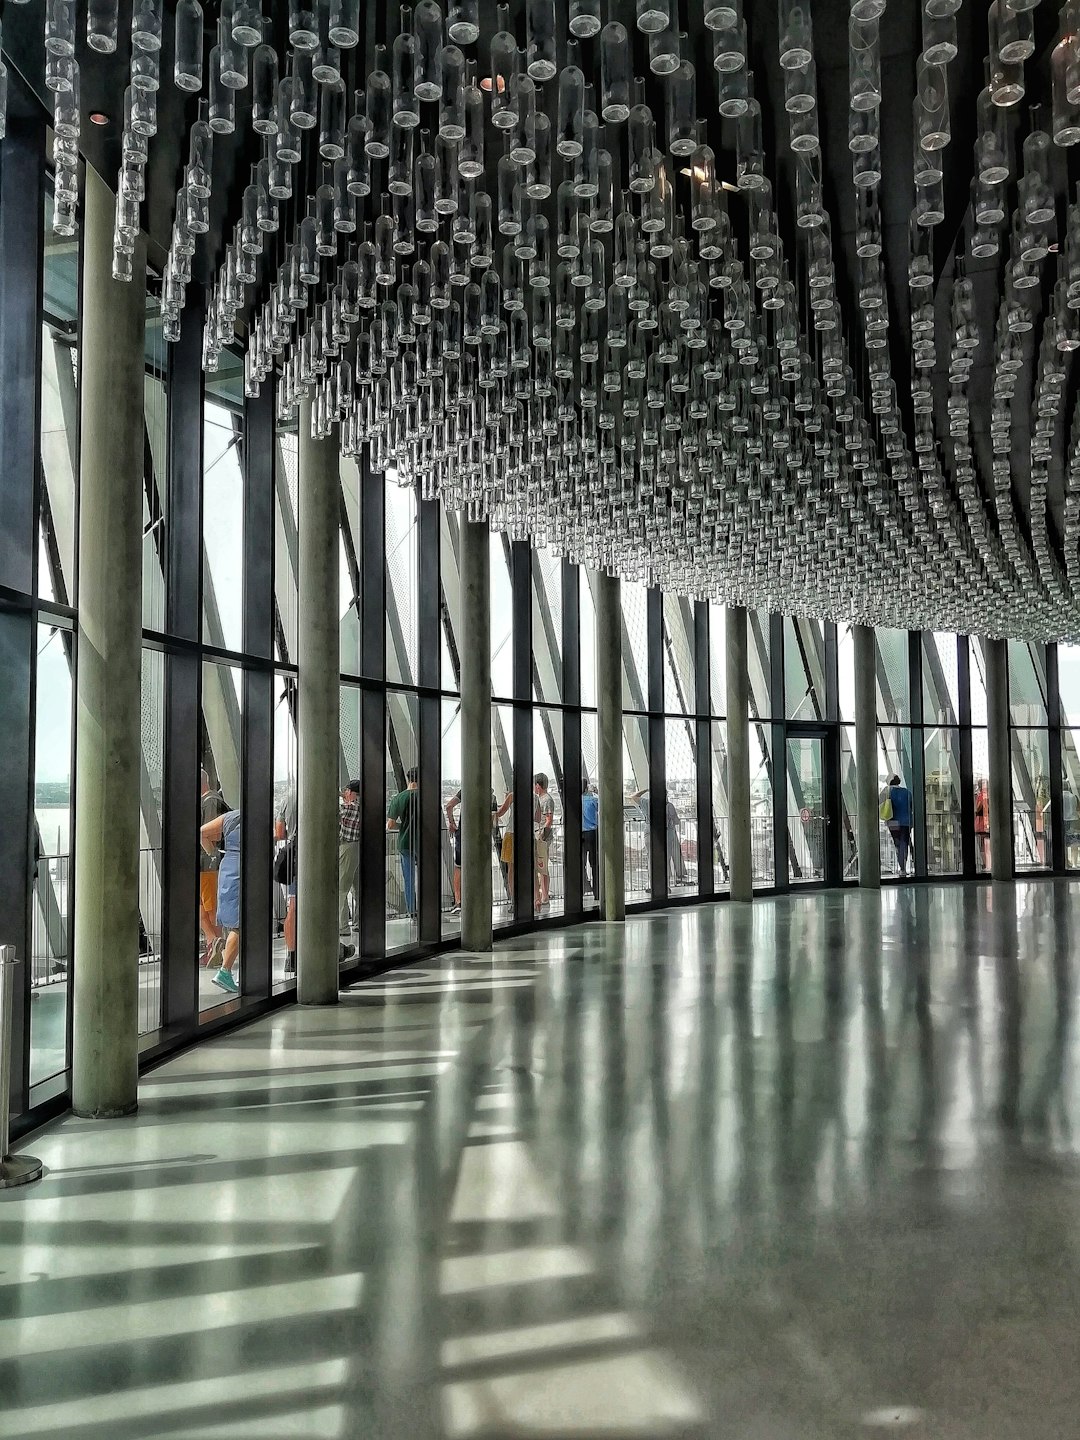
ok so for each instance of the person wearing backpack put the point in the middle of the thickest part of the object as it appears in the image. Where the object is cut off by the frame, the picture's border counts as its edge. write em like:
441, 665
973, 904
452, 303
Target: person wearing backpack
896, 812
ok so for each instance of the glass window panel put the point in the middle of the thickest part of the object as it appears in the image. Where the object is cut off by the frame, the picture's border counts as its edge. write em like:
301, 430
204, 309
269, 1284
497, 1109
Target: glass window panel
941, 769
51, 917
450, 758
893, 677
1070, 796
285, 756
849, 844
980, 779
761, 806
350, 549
156, 478
350, 769
450, 583
806, 817
150, 847
223, 527
1069, 683
894, 759
977, 672
402, 843
804, 669
681, 819
717, 658
547, 612
402, 580
502, 619
549, 848
941, 679
59, 415
1031, 796
590, 835
759, 664
638, 881
721, 855
221, 862
680, 669
502, 782
587, 641
1027, 682
286, 541
635, 646
845, 668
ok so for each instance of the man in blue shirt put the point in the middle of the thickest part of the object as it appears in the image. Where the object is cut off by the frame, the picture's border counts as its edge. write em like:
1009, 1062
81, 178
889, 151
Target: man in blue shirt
590, 815
899, 823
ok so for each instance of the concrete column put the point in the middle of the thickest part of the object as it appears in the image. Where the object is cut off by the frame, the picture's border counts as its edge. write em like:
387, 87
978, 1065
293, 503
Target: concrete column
105, 1036
740, 850
997, 738
867, 803
317, 720
475, 814
607, 598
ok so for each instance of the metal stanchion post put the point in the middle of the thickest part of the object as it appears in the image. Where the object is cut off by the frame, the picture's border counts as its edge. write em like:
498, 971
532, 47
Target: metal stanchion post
14, 1169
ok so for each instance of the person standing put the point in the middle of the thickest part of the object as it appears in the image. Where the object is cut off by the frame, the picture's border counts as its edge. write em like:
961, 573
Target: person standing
402, 816
590, 834
898, 819
348, 852
211, 805
543, 830
223, 834
451, 808
982, 823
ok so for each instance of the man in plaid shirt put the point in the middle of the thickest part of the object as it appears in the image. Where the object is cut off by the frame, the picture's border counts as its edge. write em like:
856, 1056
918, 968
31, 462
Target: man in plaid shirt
348, 852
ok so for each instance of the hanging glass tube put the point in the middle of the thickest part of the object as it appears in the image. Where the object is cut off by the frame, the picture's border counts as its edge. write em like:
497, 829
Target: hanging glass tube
504, 64
188, 47
102, 25
615, 72
247, 23
303, 25
665, 50
60, 27
379, 101
584, 19
932, 110
403, 62
451, 65
1066, 112
264, 83
571, 111
864, 65
796, 36
471, 155
427, 31
541, 60
233, 62
653, 15
305, 91
681, 92
463, 21
332, 121
146, 24
222, 98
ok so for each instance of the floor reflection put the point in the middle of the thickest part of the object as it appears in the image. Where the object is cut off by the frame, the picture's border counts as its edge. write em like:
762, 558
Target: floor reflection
802, 1168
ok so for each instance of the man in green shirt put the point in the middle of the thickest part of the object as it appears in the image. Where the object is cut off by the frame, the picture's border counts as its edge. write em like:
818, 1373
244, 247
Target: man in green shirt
403, 815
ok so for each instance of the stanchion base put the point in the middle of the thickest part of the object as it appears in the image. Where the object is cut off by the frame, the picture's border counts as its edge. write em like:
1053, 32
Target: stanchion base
19, 1170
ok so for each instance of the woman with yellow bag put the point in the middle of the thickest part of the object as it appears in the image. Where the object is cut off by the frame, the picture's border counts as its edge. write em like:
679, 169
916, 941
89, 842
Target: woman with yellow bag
896, 812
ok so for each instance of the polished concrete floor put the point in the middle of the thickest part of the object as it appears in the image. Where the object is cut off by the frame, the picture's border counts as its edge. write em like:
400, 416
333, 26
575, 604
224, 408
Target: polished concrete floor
796, 1171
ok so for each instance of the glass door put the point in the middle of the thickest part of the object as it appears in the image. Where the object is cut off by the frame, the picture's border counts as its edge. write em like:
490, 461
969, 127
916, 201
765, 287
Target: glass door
812, 819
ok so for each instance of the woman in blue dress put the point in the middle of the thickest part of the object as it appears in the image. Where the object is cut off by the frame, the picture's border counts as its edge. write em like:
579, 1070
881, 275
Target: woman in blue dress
224, 834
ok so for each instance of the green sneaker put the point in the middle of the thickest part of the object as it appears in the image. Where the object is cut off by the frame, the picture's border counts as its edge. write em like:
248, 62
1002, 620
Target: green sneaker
225, 980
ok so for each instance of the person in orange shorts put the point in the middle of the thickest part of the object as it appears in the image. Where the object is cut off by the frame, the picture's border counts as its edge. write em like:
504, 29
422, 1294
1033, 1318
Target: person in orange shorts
213, 806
